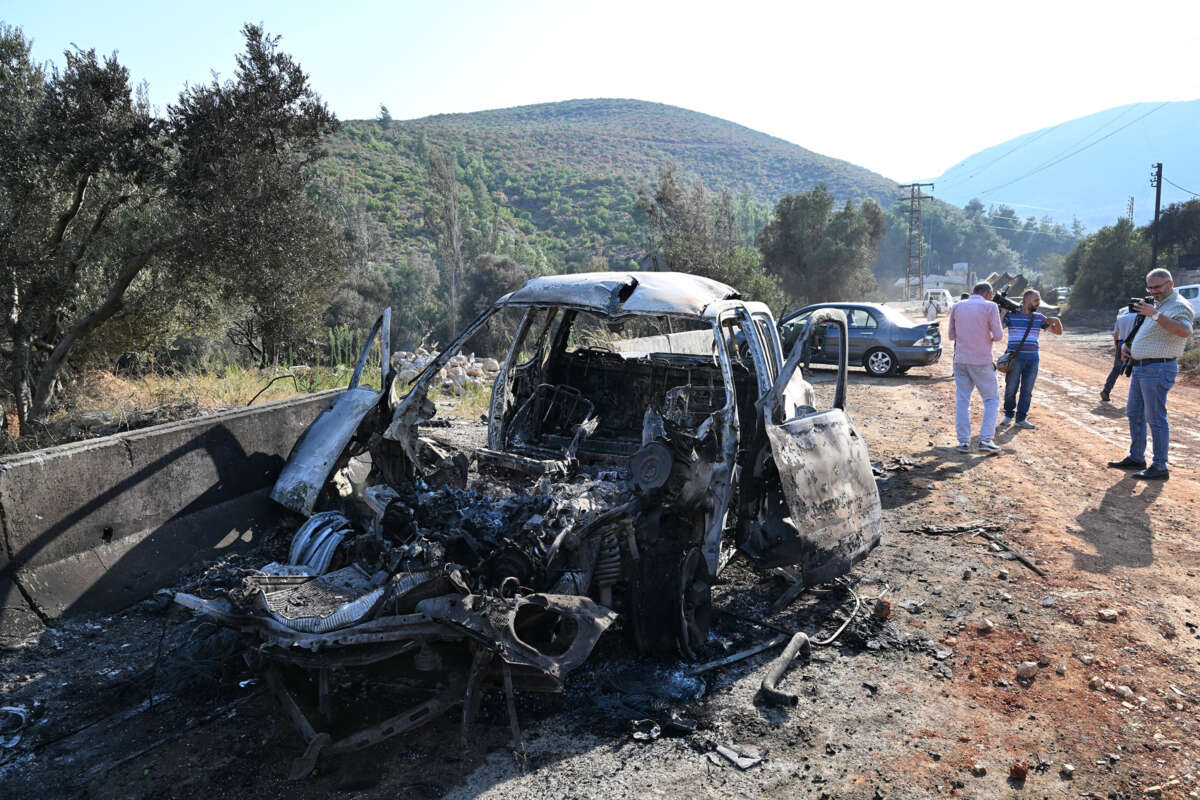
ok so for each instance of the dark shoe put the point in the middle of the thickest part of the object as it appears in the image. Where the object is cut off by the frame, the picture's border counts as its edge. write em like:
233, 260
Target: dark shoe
1104, 396
1127, 463
1152, 473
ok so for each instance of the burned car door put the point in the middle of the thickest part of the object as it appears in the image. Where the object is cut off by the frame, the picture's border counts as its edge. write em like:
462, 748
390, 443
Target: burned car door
816, 504
316, 455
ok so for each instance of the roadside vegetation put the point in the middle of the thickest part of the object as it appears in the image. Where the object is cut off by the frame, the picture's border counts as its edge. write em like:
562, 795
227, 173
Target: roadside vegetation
161, 264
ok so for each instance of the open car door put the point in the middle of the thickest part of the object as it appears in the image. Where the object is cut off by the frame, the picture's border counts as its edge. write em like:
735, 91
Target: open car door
819, 507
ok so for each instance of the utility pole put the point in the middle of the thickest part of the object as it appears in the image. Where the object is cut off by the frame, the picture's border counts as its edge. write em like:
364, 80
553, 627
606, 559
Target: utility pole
1156, 182
914, 262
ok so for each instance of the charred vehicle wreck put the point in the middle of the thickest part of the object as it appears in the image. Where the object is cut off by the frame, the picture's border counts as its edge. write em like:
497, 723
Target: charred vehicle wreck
642, 429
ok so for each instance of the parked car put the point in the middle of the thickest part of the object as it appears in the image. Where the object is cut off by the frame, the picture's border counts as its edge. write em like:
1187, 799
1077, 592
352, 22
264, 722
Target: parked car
883, 340
642, 429
1191, 293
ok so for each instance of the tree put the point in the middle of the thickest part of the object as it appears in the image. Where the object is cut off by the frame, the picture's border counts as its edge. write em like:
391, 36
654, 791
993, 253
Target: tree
1178, 230
444, 215
491, 277
1110, 265
384, 118
690, 230
112, 219
820, 254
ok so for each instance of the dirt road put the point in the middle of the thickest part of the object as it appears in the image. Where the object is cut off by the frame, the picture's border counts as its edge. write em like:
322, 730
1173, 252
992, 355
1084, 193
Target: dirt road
926, 703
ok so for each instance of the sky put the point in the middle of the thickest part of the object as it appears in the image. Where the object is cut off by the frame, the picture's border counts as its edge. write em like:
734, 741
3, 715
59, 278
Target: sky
904, 89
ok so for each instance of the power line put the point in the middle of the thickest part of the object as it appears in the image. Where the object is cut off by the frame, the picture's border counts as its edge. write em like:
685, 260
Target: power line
1049, 130
1177, 186
1076, 152
1055, 234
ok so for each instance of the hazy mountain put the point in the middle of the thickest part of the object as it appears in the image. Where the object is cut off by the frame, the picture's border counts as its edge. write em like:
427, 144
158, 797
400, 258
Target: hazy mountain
1087, 167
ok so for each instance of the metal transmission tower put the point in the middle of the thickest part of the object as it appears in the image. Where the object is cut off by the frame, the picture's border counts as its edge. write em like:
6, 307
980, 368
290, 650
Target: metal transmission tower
914, 263
1130, 214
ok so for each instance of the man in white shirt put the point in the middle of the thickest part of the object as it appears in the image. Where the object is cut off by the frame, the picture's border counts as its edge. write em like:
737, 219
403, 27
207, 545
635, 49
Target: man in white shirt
1121, 330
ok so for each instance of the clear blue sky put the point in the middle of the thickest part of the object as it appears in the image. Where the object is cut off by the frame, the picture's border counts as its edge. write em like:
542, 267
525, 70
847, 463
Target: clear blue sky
903, 93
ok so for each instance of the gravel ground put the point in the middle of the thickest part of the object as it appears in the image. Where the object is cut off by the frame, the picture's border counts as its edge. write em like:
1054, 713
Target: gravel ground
928, 702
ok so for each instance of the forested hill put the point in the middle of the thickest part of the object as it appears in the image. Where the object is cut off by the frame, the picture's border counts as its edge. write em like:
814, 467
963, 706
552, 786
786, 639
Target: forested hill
633, 138
1087, 167
565, 175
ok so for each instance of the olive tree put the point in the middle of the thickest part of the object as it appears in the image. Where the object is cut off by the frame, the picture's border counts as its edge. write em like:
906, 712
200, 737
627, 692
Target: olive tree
113, 218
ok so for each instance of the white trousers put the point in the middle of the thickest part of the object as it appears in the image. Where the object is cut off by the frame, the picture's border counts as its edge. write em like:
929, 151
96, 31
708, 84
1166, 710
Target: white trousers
968, 377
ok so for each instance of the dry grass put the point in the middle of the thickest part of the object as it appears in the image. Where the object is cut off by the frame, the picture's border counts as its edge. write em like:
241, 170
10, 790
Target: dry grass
206, 390
104, 402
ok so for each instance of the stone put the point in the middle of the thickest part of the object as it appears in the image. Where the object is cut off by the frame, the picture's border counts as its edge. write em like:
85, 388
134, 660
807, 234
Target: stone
1067, 772
1061, 669
1027, 670
1002, 574
986, 626
1124, 692
978, 770
1049, 600
882, 610
1107, 615
1095, 682
491, 365
1018, 770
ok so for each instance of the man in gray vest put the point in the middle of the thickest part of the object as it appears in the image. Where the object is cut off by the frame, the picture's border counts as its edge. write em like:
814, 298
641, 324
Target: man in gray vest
1154, 351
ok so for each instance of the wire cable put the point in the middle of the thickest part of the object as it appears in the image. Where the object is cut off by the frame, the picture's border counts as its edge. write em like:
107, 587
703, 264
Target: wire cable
1177, 186
1051, 129
1076, 152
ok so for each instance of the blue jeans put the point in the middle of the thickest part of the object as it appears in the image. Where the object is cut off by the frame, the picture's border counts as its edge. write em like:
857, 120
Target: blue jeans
1147, 405
1022, 377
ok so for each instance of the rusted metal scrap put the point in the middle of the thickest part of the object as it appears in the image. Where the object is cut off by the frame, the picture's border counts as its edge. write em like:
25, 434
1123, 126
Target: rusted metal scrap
639, 422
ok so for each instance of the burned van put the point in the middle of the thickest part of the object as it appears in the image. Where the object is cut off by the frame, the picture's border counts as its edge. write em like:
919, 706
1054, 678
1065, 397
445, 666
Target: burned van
643, 427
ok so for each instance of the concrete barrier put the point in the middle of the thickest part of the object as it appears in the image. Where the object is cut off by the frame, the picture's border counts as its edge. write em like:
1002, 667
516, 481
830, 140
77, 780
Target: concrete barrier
92, 527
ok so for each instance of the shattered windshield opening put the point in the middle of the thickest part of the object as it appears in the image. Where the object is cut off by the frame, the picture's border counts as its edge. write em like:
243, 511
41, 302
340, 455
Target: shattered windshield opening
609, 375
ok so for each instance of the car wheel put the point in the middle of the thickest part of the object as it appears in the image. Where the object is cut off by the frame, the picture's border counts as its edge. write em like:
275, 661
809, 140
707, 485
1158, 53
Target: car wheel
670, 604
695, 604
879, 362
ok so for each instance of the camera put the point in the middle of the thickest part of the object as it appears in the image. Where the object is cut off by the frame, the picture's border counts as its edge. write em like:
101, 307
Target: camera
1005, 303
1133, 301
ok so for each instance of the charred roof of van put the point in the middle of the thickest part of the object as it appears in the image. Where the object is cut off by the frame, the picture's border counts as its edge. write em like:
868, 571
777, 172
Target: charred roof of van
623, 293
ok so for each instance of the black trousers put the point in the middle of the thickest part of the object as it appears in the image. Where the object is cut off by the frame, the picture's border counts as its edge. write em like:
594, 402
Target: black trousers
1117, 367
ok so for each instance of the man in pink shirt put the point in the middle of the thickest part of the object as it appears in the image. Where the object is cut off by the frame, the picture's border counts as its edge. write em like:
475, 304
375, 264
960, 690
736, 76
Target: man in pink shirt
974, 325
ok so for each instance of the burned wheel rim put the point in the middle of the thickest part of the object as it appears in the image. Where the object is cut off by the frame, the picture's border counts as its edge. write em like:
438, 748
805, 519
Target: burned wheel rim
695, 604
880, 362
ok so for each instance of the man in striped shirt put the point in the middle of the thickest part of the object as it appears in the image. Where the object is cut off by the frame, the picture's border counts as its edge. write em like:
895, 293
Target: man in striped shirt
1023, 329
